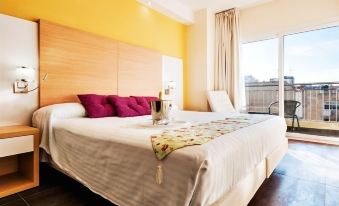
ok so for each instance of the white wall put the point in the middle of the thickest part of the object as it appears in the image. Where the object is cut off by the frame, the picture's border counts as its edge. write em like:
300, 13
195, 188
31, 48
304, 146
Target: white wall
286, 16
18, 47
173, 71
200, 60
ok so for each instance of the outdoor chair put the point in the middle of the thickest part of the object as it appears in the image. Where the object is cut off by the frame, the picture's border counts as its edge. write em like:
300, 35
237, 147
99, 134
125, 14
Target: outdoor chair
290, 108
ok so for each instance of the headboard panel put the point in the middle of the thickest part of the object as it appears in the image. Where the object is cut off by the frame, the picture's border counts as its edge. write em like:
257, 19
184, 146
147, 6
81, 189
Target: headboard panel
140, 71
78, 62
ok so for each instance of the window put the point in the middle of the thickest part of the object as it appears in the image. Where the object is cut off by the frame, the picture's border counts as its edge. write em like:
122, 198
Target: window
312, 56
311, 73
311, 61
260, 69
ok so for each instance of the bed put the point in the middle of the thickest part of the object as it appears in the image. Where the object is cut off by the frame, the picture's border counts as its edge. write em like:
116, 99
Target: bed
114, 157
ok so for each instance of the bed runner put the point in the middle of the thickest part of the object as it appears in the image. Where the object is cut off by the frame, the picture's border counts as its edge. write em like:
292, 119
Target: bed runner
170, 140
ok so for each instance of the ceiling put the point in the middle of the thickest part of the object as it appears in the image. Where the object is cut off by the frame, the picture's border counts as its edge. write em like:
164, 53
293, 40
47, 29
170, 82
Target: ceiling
183, 10
219, 5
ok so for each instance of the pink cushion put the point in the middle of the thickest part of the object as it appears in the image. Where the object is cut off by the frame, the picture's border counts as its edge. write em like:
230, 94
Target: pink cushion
150, 99
145, 102
145, 98
130, 106
97, 105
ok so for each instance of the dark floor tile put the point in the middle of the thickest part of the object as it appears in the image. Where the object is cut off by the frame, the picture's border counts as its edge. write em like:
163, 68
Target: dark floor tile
9, 199
18, 202
49, 179
332, 196
41, 188
280, 190
33, 191
58, 189
71, 196
54, 197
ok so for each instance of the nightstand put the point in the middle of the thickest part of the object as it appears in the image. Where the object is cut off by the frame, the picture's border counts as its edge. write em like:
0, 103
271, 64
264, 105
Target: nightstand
19, 159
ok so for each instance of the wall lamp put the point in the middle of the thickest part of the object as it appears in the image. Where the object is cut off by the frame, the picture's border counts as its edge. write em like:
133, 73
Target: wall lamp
171, 85
25, 78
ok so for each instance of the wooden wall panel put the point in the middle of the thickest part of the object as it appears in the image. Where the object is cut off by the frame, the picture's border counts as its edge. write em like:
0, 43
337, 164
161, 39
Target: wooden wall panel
140, 71
76, 62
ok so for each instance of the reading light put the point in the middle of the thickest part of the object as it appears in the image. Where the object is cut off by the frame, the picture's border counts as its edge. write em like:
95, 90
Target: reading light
171, 85
25, 76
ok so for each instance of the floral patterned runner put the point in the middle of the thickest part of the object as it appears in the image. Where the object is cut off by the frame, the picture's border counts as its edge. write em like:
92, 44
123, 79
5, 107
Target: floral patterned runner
170, 140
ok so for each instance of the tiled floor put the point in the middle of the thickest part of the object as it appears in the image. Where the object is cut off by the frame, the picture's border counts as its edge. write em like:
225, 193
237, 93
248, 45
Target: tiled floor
307, 176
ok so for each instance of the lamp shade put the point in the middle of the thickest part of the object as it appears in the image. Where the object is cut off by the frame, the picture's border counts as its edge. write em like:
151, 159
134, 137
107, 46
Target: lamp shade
25, 74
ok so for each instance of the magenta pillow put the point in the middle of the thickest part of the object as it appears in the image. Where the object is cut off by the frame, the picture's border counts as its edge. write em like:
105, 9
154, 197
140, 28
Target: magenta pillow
129, 106
142, 101
150, 99
147, 98
97, 105
145, 102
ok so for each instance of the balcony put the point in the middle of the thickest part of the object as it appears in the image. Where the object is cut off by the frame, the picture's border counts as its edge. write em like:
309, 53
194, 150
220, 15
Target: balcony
319, 101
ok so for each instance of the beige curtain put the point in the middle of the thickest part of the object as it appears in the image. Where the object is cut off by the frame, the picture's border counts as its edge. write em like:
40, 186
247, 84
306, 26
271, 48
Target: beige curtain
226, 74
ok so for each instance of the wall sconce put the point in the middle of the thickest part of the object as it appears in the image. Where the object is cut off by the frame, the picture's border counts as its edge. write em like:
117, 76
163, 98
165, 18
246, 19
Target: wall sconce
25, 76
171, 85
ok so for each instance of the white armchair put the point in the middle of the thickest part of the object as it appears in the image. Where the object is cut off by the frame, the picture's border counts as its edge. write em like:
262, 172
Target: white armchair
219, 101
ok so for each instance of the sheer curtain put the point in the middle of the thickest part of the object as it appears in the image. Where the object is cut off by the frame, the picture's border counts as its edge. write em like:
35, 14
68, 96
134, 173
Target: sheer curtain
227, 74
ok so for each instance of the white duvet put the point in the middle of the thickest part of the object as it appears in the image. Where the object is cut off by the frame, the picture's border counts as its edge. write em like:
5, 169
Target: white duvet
114, 157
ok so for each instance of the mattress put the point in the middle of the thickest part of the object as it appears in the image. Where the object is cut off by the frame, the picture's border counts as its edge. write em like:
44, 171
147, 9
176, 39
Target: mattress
114, 157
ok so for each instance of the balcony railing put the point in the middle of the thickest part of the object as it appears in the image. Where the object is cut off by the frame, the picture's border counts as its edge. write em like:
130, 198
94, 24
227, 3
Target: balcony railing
319, 101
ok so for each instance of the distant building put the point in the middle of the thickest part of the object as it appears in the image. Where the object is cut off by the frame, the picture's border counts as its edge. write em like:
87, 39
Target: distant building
250, 78
319, 101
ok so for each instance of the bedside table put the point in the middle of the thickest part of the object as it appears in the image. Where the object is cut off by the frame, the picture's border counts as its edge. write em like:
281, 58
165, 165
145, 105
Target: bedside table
19, 159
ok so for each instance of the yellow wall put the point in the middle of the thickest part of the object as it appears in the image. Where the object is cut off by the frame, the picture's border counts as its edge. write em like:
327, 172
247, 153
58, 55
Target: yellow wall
124, 20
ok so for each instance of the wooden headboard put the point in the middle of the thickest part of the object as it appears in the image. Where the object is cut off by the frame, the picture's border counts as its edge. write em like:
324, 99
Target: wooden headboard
75, 62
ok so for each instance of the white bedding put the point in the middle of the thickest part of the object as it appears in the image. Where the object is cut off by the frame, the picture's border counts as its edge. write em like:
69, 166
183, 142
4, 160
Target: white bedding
114, 157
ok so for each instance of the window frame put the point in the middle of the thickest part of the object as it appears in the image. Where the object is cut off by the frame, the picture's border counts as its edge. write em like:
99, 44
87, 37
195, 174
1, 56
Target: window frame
280, 37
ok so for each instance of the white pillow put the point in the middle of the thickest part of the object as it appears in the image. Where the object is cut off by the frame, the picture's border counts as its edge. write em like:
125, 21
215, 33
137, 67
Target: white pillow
45, 117
61, 111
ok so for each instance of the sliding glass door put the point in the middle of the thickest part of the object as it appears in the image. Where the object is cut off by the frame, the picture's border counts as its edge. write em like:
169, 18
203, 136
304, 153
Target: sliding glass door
260, 70
301, 67
311, 61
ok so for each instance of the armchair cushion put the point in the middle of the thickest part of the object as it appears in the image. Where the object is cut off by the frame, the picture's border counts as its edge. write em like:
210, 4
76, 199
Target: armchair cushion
219, 101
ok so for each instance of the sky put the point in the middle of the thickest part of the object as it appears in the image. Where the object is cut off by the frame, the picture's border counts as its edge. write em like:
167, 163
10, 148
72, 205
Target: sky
309, 57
